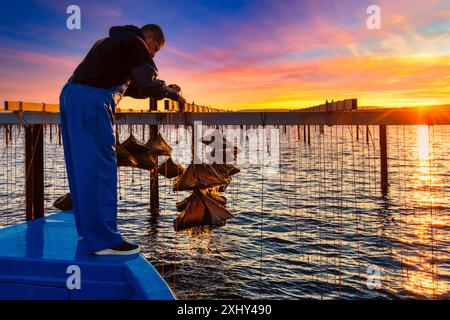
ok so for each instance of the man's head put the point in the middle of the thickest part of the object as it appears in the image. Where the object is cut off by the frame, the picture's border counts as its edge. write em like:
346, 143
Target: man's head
154, 37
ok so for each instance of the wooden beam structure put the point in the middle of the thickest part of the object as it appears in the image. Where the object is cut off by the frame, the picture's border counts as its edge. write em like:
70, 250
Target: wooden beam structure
439, 116
34, 171
30, 106
48, 107
34, 116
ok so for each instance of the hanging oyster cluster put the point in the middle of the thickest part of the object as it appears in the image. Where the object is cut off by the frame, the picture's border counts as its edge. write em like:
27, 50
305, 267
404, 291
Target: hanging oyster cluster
205, 206
133, 153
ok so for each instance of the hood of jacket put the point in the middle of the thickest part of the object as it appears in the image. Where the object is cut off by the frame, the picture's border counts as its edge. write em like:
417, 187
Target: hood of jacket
127, 28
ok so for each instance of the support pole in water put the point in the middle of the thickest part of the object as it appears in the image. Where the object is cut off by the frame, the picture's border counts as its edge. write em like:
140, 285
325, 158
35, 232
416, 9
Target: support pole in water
154, 184
304, 133
383, 159
6, 134
59, 134
367, 134
193, 155
34, 171
309, 135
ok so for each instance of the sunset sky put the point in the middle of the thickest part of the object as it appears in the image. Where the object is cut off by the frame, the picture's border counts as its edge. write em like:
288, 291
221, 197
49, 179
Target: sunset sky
244, 54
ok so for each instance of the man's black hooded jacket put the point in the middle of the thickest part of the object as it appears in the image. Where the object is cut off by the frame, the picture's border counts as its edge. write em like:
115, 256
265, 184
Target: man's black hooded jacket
110, 60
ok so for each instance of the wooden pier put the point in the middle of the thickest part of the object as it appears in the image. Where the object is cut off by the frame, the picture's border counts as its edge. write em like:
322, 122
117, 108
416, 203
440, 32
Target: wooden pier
34, 115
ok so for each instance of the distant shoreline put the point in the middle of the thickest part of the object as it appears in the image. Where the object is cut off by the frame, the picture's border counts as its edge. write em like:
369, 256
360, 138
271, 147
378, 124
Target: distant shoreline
362, 108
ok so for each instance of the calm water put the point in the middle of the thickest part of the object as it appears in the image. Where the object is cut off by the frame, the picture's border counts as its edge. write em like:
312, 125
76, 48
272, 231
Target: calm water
309, 227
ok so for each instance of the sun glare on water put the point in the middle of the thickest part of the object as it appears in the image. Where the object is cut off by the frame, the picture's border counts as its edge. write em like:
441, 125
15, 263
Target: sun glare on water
422, 277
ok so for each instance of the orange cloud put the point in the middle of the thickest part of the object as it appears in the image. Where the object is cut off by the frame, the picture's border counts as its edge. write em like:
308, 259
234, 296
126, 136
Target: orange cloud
262, 61
385, 80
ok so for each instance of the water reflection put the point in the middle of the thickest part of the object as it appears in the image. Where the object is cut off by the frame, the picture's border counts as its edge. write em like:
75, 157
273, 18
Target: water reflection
422, 274
316, 231
423, 145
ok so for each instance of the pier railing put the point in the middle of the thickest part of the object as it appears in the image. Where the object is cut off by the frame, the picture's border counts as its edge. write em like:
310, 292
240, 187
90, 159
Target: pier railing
402, 116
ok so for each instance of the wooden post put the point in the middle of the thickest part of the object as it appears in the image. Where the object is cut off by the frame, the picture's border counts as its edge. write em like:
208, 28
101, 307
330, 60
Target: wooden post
357, 133
117, 134
34, 171
367, 134
59, 134
193, 155
309, 135
6, 134
383, 159
154, 183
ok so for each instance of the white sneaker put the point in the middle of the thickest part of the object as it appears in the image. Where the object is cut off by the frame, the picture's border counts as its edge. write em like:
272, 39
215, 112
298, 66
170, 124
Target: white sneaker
123, 249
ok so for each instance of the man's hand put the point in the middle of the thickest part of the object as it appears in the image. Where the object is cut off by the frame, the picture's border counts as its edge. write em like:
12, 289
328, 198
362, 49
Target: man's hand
180, 99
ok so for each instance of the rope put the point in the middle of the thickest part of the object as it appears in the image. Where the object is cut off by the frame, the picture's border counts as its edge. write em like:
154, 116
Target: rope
261, 219
7, 178
340, 210
431, 203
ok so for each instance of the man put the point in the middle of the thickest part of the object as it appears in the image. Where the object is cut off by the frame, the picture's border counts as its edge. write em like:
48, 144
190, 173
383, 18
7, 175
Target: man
121, 64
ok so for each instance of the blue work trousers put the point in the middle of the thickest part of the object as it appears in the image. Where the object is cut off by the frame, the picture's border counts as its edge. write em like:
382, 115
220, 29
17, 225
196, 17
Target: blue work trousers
87, 118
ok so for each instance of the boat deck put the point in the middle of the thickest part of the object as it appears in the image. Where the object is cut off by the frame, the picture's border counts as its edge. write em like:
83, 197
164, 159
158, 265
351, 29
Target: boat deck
35, 257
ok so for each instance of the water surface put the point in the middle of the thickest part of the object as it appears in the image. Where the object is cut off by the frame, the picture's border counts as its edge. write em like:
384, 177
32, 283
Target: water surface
309, 227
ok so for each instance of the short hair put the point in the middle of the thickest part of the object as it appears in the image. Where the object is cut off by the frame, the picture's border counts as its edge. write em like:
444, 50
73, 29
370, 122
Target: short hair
156, 30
